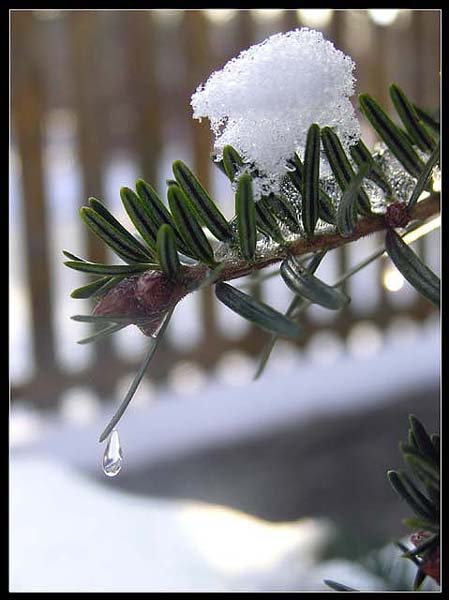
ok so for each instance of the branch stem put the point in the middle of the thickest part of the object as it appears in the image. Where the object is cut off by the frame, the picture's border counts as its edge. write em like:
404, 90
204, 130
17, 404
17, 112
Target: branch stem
424, 209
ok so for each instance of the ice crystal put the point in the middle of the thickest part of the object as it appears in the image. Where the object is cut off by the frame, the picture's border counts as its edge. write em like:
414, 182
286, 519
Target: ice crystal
263, 101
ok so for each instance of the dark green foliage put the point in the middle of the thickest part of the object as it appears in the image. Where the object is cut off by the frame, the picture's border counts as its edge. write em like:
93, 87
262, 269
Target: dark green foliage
412, 268
232, 162
341, 167
100, 269
395, 139
422, 440
339, 587
326, 208
98, 335
166, 251
200, 201
410, 494
91, 289
113, 234
188, 226
347, 209
267, 221
302, 282
311, 180
424, 177
158, 212
71, 256
257, 312
361, 155
428, 120
411, 120
282, 209
421, 493
140, 214
245, 211
295, 305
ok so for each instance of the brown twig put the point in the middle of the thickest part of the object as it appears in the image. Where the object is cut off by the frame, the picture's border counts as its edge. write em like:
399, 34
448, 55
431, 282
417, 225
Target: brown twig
422, 210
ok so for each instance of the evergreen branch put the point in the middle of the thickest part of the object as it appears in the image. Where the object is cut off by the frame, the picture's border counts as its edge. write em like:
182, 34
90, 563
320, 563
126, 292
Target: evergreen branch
323, 242
167, 232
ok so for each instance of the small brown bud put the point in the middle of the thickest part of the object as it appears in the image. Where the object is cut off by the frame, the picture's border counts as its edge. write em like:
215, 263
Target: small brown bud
150, 295
397, 214
120, 300
156, 293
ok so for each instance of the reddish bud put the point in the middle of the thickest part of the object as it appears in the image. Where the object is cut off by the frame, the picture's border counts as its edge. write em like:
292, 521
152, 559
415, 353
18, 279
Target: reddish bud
120, 300
156, 293
397, 214
150, 295
430, 564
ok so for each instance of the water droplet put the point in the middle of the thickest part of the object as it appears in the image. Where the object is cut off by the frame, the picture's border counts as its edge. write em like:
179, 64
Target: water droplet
113, 456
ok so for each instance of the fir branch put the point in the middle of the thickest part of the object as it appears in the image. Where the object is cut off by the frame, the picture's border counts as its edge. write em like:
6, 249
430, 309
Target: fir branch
233, 269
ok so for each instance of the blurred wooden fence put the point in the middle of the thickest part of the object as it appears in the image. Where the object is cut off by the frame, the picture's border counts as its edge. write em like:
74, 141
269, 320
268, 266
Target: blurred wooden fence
127, 76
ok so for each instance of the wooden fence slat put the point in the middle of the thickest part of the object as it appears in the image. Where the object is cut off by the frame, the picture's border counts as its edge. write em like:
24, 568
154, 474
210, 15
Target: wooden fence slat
27, 121
141, 39
84, 29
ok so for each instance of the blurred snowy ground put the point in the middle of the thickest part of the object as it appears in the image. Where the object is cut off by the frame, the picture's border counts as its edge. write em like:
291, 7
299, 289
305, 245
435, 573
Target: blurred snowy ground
77, 536
70, 533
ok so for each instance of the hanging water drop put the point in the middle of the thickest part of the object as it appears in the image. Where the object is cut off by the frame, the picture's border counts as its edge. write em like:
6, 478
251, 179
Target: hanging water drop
113, 456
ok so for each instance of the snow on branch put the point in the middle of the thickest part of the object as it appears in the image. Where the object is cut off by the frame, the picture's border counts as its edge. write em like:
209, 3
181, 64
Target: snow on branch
263, 101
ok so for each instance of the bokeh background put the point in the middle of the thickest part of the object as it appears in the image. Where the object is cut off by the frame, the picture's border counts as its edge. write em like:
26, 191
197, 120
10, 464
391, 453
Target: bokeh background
99, 99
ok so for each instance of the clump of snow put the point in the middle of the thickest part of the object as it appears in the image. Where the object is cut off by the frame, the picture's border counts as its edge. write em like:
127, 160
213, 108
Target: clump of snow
263, 101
